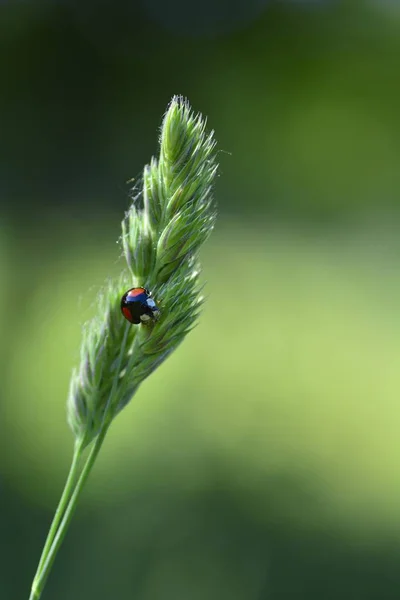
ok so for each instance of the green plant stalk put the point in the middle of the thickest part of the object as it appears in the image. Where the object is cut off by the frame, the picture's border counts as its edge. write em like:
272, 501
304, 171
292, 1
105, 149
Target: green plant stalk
47, 563
66, 495
71, 494
37, 586
171, 215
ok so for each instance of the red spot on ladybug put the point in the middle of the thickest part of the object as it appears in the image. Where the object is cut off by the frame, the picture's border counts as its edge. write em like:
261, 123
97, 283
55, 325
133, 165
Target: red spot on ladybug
126, 312
136, 292
138, 306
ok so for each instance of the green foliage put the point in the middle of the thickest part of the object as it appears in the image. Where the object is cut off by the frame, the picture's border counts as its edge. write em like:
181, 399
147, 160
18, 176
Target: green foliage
168, 221
161, 245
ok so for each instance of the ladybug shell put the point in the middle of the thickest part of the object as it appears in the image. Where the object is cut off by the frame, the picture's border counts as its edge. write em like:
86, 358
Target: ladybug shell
138, 306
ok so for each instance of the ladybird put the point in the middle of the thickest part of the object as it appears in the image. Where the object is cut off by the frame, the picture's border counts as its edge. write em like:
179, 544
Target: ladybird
138, 306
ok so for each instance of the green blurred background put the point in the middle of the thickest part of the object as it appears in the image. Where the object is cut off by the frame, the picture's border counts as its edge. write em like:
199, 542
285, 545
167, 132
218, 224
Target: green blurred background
262, 461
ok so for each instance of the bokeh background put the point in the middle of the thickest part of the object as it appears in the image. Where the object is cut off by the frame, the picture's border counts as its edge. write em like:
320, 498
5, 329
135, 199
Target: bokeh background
262, 461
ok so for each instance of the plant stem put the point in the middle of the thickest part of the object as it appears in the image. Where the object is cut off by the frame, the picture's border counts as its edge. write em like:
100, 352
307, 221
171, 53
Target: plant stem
69, 498
41, 578
66, 495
